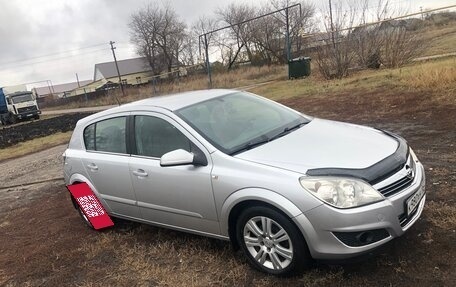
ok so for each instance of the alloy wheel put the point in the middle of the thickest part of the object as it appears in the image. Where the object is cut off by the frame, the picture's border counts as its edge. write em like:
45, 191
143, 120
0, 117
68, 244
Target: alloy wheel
268, 243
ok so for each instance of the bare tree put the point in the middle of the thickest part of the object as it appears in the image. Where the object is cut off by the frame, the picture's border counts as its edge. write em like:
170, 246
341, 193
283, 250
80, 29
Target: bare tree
268, 38
202, 26
336, 55
400, 46
300, 20
242, 34
371, 43
365, 38
159, 35
262, 40
143, 34
188, 53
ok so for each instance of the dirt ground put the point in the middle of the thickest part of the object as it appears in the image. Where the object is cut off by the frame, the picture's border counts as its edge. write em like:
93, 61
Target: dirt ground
44, 242
43, 166
11, 135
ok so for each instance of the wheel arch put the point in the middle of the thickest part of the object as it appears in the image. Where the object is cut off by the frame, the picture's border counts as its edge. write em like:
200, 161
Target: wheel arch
245, 198
79, 178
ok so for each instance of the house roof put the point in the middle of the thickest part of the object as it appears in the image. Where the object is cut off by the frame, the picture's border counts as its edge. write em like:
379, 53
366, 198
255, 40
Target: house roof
58, 89
126, 67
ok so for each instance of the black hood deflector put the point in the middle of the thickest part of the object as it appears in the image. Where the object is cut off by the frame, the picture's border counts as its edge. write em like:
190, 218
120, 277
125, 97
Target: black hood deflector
376, 172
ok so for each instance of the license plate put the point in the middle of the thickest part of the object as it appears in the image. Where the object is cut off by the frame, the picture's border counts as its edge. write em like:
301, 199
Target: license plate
414, 200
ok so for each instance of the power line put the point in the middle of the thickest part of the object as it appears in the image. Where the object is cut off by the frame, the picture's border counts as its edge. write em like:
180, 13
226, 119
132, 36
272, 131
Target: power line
5, 66
378, 5
52, 54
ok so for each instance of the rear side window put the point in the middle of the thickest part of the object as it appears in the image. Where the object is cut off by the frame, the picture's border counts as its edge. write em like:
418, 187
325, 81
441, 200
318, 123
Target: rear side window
155, 137
107, 136
89, 137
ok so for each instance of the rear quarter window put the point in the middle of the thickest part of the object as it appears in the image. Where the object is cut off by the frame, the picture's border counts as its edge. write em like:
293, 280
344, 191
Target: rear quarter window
107, 136
89, 137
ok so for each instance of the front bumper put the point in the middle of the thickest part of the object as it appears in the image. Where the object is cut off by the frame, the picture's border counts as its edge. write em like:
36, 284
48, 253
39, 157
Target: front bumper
323, 226
28, 114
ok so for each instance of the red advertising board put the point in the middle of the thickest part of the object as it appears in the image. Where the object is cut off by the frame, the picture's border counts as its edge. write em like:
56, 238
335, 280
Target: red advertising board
90, 205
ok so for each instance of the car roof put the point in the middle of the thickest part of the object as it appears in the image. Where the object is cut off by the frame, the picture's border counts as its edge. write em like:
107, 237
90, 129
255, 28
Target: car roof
177, 101
169, 102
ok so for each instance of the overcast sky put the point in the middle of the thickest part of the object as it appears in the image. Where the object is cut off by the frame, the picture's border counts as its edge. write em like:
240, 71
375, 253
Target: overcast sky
54, 39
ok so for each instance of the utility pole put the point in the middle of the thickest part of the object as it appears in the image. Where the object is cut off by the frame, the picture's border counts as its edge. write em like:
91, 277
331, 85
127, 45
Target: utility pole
52, 86
332, 24
421, 10
118, 73
49, 87
77, 79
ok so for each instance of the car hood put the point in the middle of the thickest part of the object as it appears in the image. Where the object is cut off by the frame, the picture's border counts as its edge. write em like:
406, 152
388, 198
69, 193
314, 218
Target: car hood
325, 144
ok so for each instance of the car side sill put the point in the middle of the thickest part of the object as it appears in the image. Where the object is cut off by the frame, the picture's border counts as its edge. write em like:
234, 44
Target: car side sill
169, 209
177, 228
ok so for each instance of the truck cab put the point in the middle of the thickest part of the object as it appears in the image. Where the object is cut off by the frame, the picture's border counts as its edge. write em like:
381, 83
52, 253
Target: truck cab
17, 106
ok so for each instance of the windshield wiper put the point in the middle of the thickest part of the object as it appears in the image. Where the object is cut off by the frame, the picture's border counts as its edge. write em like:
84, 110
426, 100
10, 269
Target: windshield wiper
251, 144
264, 139
287, 130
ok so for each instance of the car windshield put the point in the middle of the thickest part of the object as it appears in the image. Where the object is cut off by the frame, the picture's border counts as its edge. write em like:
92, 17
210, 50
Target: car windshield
22, 98
237, 122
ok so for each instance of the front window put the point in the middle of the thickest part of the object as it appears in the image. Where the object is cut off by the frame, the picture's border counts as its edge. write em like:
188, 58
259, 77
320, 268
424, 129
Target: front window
155, 137
22, 98
239, 121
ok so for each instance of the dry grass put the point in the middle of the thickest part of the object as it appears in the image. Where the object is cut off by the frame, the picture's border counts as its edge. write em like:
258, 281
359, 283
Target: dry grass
149, 256
34, 145
438, 75
441, 40
435, 76
442, 214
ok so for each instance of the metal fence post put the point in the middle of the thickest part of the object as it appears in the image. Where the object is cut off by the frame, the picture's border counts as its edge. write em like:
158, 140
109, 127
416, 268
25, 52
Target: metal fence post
208, 64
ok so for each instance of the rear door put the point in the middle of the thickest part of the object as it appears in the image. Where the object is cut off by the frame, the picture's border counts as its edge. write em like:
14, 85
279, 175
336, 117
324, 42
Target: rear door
106, 163
179, 196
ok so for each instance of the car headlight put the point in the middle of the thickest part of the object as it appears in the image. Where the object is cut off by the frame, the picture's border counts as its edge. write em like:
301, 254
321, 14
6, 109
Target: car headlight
341, 192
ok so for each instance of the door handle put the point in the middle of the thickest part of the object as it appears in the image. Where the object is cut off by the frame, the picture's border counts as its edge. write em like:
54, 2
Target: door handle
140, 173
92, 166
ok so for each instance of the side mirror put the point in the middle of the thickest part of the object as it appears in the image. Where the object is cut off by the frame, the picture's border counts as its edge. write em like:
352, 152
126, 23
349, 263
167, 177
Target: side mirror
177, 157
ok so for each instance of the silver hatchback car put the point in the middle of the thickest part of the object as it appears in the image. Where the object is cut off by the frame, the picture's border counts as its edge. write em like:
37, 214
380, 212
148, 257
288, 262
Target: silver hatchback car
282, 186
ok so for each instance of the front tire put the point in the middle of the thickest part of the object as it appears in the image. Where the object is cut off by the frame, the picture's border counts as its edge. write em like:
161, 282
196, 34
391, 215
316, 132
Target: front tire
13, 119
271, 242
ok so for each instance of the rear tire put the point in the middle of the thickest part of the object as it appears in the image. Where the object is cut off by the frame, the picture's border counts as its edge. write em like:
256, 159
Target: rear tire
81, 214
271, 242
